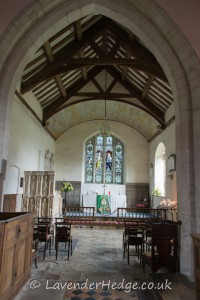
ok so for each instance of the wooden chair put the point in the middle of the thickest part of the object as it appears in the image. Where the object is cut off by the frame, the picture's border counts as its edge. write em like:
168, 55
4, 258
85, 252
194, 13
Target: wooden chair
125, 232
163, 247
49, 221
147, 237
35, 251
41, 232
45, 220
133, 236
63, 235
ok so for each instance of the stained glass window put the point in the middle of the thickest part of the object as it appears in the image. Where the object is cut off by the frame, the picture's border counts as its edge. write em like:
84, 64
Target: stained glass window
104, 160
89, 162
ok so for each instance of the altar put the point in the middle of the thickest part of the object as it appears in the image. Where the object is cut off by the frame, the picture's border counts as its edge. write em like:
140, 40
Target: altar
115, 201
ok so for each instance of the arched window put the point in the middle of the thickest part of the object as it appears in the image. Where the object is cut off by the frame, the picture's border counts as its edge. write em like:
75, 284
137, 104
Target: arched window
104, 160
160, 168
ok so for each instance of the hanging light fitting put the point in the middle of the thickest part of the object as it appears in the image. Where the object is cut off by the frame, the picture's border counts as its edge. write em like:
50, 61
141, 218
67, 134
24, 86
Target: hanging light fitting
105, 128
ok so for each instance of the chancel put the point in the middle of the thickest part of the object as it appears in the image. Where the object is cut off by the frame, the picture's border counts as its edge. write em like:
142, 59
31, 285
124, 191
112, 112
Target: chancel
99, 140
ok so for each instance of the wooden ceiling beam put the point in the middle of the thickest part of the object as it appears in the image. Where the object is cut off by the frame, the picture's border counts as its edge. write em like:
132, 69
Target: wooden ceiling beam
57, 105
42, 88
128, 55
134, 93
125, 70
56, 67
112, 84
78, 30
104, 95
99, 88
136, 49
162, 106
48, 93
46, 98
104, 46
61, 86
54, 47
79, 35
77, 63
114, 49
67, 52
49, 53
154, 95
83, 69
165, 86
165, 95
147, 86
153, 110
106, 60
97, 49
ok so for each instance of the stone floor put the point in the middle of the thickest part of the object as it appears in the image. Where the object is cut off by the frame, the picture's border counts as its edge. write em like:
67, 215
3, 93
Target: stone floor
97, 263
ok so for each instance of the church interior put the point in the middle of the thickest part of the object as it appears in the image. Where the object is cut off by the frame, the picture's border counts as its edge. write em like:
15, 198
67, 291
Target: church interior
99, 133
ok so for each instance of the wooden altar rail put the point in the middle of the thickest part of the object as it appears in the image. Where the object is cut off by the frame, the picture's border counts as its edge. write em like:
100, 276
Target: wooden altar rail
129, 214
123, 214
80, 213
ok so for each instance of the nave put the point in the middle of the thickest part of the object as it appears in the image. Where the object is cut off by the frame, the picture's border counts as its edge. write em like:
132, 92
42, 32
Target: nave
97, 256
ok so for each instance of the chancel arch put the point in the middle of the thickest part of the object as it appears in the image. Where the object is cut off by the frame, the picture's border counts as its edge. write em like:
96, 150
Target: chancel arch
139, 19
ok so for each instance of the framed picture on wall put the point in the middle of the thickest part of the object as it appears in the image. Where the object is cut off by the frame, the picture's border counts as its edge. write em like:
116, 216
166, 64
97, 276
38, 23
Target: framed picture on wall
171, 163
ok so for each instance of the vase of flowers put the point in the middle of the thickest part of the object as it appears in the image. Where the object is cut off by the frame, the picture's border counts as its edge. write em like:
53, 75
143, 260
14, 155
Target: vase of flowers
66, 187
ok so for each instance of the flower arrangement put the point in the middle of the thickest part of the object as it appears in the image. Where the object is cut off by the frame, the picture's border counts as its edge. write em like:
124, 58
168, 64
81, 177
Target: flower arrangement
66, 187
156, 192
167, 203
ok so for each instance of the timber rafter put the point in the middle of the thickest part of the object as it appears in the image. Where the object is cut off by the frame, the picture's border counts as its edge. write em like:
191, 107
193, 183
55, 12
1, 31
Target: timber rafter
133, 93
59, 73
64, 61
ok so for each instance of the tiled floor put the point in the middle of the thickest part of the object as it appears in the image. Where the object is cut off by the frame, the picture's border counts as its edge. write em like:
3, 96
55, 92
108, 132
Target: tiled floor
97, 270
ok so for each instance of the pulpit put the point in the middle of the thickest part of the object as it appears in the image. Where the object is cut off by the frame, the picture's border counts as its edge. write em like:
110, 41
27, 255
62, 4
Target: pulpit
16, 235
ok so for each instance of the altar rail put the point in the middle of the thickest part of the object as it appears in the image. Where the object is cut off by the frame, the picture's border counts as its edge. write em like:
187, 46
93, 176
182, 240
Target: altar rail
85, 213
129, 214
123, 215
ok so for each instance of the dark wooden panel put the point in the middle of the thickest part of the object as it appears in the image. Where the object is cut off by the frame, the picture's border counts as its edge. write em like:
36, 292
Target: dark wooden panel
2, 227
9, 202
3, 167
136, 192
73, 197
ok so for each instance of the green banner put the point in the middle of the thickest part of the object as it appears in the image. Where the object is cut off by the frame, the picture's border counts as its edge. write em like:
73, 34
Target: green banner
103, 204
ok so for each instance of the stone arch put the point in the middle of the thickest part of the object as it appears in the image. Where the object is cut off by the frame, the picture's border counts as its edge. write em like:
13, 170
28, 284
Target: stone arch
164, 39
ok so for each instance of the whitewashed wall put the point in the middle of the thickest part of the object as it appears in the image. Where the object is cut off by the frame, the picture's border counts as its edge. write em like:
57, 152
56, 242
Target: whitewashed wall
167, 137
70, 158
28, 143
